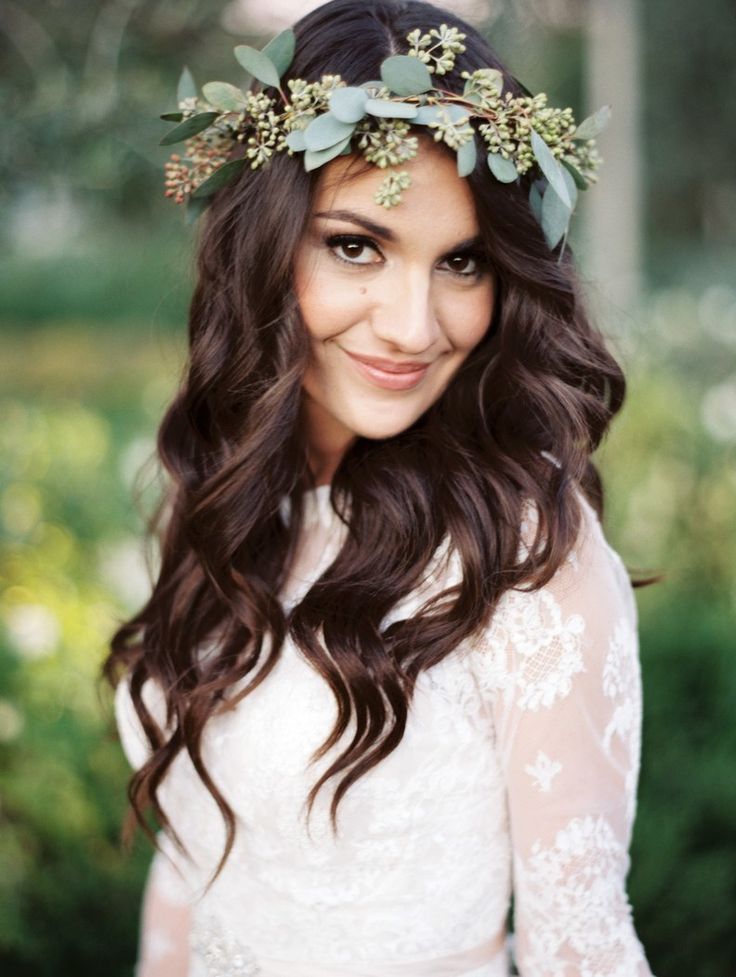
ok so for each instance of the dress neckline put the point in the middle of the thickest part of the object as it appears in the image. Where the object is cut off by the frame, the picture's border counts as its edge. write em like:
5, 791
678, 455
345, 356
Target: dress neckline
315, 505
319, 488
316, 502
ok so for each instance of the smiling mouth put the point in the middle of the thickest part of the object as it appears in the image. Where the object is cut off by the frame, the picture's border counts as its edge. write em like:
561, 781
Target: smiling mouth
395, 376
389, 366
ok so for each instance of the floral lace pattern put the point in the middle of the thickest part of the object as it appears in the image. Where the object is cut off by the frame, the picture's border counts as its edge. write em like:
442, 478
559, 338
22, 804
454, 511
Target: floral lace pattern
517, 774
218, 953
586, 858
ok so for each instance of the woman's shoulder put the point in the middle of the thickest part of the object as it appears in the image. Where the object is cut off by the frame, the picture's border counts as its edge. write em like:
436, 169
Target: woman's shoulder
566, 637
590, 584
133, 738
591, 542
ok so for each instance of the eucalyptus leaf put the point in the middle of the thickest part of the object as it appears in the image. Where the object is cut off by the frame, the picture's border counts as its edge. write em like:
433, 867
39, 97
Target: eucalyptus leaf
595, 123
187, 87
194, 208
223, 96
503, 169
325, 130
535, 200
172, 116
475, 97
315, 158
348, 104
427, 115
551, 168
295, 140
405, 75
221, 177
280, 50
466, 157
258, 64
571, 188
562, 246
576, 175
433, 114
188, 128
456, 113
390, 110
555, 216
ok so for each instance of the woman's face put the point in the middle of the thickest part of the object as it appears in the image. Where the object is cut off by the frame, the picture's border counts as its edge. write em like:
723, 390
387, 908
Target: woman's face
404, 287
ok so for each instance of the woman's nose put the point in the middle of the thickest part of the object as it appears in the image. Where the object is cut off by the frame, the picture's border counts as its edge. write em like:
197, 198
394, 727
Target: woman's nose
405, 314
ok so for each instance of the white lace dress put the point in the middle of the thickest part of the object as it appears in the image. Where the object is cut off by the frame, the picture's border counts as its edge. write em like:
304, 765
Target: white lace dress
517, 775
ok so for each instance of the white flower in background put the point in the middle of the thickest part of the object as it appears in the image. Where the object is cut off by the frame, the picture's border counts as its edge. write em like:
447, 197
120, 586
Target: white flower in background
123, 569
718, 411
34, 630
11, 721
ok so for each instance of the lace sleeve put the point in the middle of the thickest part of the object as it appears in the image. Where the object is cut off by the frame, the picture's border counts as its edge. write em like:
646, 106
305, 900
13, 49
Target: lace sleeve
567, 709
163, 944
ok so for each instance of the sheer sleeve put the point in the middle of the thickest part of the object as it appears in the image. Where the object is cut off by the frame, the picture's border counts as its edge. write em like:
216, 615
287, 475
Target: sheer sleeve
163, 943
567, 709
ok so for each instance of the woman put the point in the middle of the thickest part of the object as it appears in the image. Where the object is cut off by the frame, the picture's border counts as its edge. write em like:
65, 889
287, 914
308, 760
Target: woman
388, 676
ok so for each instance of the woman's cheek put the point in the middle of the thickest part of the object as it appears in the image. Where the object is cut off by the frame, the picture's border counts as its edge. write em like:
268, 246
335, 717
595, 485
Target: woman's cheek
335, 307
470, 319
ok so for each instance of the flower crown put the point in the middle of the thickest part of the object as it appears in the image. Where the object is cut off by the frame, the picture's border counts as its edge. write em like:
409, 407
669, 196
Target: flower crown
321, 119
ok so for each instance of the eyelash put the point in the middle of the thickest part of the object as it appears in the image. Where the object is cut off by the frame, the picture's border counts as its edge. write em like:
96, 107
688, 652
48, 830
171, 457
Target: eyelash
333, 241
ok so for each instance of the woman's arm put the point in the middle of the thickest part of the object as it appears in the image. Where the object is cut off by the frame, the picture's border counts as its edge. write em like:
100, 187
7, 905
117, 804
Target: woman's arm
165, 919
163, 948
567, 709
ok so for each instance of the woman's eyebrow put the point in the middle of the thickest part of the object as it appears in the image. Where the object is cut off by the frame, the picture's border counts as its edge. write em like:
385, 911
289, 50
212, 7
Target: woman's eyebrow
378, 230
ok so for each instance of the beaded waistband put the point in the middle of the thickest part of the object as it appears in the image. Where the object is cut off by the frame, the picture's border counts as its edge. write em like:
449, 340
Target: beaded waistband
454, 965
219, 953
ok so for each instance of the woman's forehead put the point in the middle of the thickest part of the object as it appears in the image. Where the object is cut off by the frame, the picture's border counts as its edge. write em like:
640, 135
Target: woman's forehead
437, 194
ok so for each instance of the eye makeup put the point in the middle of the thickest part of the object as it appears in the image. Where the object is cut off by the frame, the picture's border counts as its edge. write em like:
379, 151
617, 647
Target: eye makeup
335, 241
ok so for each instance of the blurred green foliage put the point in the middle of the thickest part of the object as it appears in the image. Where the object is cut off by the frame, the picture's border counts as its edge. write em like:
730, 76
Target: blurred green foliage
71, 441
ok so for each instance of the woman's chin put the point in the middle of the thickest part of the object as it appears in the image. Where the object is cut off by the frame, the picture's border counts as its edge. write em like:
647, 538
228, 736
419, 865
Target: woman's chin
377, 430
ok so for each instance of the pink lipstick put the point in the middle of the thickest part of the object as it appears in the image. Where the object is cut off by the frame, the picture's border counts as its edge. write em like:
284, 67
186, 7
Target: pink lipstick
388, 374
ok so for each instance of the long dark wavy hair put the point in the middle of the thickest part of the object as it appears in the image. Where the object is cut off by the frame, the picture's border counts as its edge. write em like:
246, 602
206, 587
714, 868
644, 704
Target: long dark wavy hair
233, 444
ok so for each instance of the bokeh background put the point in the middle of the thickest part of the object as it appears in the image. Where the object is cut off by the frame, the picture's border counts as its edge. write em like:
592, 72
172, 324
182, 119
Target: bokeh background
95, 275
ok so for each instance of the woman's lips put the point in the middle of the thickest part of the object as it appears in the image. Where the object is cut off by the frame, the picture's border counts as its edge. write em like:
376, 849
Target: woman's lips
399, 377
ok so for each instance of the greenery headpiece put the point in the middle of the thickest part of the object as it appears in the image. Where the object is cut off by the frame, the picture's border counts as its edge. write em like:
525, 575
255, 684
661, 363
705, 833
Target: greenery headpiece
322, 119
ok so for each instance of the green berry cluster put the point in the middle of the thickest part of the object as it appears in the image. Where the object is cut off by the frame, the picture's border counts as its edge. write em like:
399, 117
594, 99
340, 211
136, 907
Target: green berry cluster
307, 99
423, 46
452, 129
389, 193
259, 128
388, 143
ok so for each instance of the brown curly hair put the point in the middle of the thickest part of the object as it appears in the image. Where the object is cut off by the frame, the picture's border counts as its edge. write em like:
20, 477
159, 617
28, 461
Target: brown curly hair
233, 444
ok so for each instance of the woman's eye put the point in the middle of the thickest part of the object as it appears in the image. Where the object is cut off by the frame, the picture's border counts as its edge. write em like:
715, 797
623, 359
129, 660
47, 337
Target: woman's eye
355, 250
467, 265
459, 264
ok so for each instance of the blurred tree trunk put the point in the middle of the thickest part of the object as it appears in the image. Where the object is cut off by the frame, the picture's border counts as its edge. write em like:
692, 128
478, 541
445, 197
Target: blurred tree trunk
613, 207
